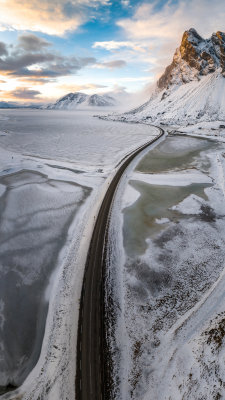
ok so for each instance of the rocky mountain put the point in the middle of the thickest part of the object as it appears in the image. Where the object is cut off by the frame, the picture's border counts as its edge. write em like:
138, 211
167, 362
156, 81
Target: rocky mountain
194, 58
75, 100
192, 88
101, 101
12, 105
69, 101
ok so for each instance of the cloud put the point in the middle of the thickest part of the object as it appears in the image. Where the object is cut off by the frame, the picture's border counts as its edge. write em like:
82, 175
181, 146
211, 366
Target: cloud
162, 28
88, 88
116, 45
134, 79
54, 17
77, 88
111, 64
125, 3
30, 42
29, 59
3, 49
22, 93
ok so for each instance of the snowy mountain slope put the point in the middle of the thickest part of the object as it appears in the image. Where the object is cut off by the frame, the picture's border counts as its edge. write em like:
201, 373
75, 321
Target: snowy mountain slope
101, 101
192, 86
74, 100
69, 101
195, 101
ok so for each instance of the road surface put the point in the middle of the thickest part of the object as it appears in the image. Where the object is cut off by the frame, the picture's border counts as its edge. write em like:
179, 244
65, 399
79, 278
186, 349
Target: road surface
93, 371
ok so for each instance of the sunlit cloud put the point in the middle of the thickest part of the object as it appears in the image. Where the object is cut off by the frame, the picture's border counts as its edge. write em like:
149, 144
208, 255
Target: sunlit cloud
54, 17
125, 3
76, 88
21, 94
113, 45
34, 81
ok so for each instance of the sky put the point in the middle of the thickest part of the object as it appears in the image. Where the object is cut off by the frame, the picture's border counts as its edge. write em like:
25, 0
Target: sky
49, 48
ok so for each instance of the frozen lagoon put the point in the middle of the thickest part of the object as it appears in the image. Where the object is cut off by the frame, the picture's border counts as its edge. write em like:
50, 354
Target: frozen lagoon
169, 279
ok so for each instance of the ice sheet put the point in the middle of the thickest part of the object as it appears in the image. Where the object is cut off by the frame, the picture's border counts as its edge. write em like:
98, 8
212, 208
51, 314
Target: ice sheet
89, 143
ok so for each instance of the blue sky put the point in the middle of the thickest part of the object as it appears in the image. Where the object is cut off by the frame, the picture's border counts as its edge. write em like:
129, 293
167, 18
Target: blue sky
52, 47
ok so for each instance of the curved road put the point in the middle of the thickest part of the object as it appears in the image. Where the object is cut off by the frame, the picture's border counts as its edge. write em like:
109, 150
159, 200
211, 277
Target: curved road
93, 370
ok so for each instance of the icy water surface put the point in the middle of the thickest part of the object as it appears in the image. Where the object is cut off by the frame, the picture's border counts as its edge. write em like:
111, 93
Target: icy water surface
35, 215
176, 154
75, 136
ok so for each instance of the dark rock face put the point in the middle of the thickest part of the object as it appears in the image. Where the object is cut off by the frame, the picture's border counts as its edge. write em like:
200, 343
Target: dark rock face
195, 57
189, 48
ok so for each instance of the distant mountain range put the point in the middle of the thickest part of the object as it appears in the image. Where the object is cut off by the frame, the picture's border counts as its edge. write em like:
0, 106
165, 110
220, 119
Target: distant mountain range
75, 100
192, 88
9, 104
70, 101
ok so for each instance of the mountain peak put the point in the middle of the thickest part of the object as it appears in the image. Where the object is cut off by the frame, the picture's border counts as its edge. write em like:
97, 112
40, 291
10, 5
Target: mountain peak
195, 57
73, 100
192, 36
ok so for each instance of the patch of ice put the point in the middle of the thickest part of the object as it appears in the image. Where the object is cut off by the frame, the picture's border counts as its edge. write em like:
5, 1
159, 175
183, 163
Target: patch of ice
191, 205
162, 221
172, 179
130, 196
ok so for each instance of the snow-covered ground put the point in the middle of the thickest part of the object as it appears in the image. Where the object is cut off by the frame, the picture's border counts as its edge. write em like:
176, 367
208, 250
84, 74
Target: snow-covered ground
74, 136
205, 129
168, 278
54, 169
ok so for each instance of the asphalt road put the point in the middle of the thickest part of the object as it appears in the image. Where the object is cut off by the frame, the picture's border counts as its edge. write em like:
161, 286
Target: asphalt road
93, 371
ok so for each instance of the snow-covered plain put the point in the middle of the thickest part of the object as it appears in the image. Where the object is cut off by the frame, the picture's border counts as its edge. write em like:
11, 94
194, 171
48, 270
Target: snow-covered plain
69, 136
55, 167
168, 278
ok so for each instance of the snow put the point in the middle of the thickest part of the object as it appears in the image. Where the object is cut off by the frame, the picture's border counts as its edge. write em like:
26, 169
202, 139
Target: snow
197, 101
170, 295
191, 205
70, 137
162, 220
61, 160
205, 129
174, 179
130, 196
